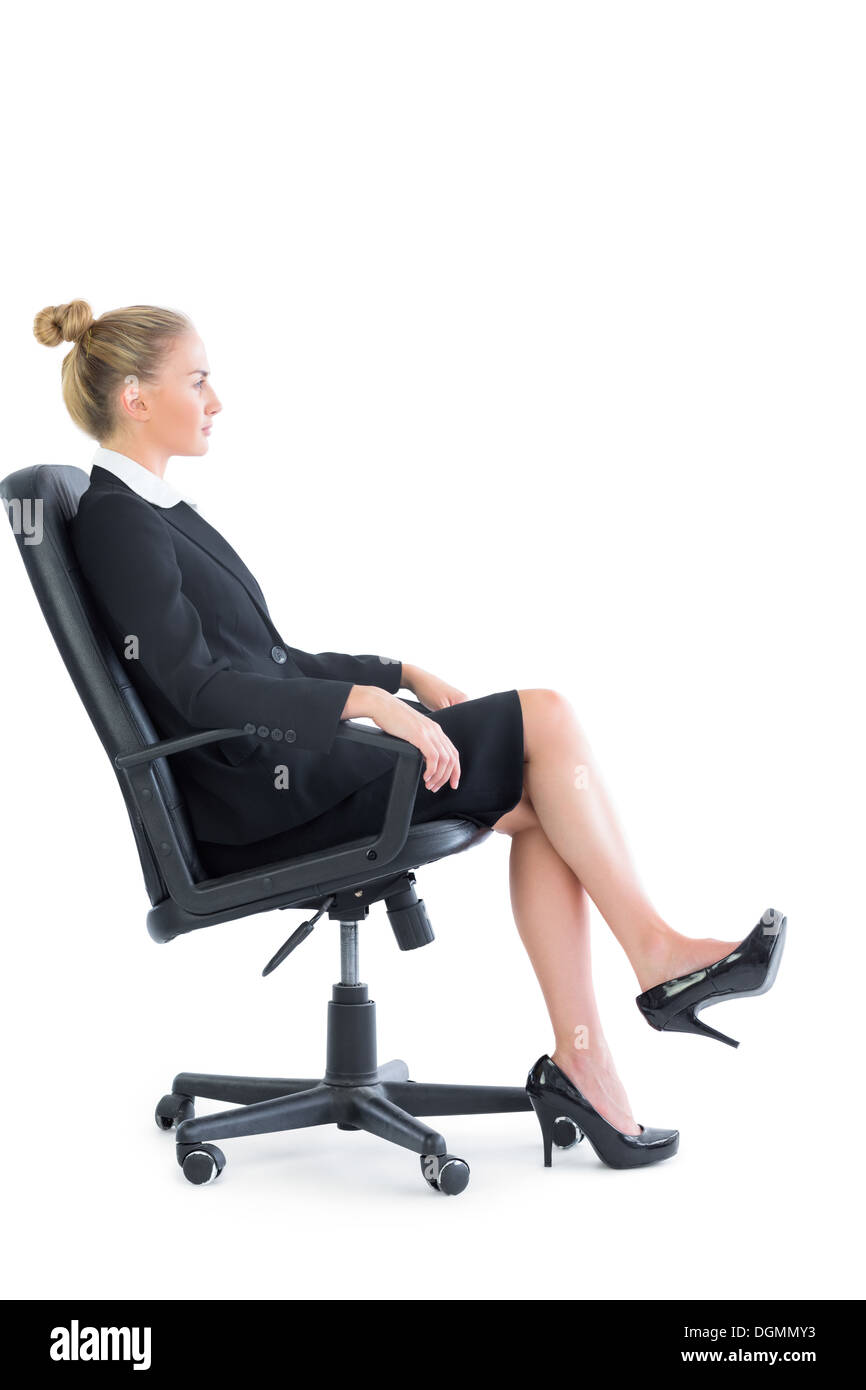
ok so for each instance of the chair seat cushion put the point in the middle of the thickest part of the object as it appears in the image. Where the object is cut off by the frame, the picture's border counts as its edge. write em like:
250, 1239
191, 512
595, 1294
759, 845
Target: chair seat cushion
424, 844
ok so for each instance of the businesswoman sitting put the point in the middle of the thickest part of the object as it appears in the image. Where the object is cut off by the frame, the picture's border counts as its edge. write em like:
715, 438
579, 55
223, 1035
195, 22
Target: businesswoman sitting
181, 607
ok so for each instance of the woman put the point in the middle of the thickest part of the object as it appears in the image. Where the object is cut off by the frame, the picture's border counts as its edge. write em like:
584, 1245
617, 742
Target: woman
181, 607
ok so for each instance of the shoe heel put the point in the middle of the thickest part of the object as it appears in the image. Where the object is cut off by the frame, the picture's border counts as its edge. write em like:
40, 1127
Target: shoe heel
688, 1022
547, 1120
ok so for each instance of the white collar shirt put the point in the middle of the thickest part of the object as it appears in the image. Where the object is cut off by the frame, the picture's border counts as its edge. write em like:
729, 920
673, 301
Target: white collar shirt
140, 479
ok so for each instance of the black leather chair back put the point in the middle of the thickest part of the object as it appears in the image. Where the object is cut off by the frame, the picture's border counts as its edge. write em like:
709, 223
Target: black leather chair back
40, 502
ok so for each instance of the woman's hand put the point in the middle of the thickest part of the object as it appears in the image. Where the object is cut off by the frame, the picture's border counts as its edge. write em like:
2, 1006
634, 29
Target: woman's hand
395, 717
431, 690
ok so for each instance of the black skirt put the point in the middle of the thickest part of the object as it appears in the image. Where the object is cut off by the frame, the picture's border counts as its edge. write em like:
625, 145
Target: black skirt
488, 735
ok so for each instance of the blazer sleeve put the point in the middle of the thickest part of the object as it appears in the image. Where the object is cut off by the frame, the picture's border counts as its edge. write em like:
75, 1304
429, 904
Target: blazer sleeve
383, 671
128, 560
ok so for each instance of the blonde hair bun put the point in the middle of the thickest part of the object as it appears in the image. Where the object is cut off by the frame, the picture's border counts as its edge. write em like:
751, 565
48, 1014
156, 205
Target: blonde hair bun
63, 323
120, 343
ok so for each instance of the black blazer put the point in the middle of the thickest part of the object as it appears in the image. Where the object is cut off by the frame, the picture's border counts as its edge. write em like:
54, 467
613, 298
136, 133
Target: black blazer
189, 621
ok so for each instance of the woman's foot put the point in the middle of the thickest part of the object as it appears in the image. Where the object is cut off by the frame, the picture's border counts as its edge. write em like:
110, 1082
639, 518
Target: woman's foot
565, 1114
749, 968
596, 1079
668, 955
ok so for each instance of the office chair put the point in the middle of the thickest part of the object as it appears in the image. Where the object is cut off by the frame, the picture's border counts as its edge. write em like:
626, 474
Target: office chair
355, 1092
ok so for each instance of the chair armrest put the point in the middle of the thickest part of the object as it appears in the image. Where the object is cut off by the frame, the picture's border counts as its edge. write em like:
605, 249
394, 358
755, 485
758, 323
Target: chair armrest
306, 871
173, 745
355, 733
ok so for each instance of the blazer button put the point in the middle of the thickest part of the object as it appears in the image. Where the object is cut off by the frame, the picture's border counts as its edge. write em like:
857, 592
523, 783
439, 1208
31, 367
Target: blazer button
249, 728
279, 655
263, 731
277, 735
290, 735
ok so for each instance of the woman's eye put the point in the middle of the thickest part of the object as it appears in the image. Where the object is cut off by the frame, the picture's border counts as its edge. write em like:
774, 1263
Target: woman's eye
200, 383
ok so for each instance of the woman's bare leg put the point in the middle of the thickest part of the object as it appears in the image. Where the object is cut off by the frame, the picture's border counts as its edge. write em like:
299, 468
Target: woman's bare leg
566, 792
551, 910
567, 844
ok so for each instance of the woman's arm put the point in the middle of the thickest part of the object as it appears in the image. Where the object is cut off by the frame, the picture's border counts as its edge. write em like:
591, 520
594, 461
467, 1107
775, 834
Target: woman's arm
397, 717
382, 671
431, 690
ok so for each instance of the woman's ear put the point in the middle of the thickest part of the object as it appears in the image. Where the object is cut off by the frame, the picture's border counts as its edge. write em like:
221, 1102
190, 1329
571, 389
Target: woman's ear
130, 399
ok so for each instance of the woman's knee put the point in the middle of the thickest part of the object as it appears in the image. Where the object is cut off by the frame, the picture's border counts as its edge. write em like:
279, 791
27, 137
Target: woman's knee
543, 709
520, 817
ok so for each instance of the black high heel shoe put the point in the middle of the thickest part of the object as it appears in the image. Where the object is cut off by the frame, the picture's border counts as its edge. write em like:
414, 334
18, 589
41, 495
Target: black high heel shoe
672, 1007
561, 1108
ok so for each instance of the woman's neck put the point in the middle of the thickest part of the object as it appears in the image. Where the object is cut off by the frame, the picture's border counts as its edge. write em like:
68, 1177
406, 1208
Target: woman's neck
155, 460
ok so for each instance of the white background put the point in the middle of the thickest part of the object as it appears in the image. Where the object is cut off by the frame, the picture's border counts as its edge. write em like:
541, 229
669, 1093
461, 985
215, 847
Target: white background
539, 332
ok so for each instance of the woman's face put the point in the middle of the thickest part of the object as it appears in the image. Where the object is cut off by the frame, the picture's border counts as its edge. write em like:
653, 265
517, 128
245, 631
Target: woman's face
176, 413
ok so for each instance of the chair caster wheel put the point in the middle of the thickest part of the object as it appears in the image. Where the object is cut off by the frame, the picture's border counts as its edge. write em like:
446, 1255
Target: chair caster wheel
202, 1163
445, 1172
172, 1109
566, 1133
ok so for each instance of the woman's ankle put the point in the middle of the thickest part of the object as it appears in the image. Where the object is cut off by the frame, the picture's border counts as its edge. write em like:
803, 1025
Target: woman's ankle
585, 1061
595, 1076
651, 958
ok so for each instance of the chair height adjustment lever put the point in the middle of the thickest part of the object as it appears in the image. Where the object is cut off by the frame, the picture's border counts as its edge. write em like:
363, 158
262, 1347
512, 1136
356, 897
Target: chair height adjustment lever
298, 935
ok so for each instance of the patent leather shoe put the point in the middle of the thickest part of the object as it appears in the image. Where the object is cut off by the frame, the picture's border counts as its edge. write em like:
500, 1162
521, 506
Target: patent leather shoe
565, 1116
672, 1007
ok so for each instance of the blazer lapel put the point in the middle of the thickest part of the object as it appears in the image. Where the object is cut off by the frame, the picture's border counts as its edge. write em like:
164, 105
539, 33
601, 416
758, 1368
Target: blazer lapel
184, 518
196, 529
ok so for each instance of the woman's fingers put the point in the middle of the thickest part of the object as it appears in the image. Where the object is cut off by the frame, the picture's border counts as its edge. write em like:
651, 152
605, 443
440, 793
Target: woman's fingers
443, 771
432, 765
434, 759
441, 759
452, 772
443, 763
